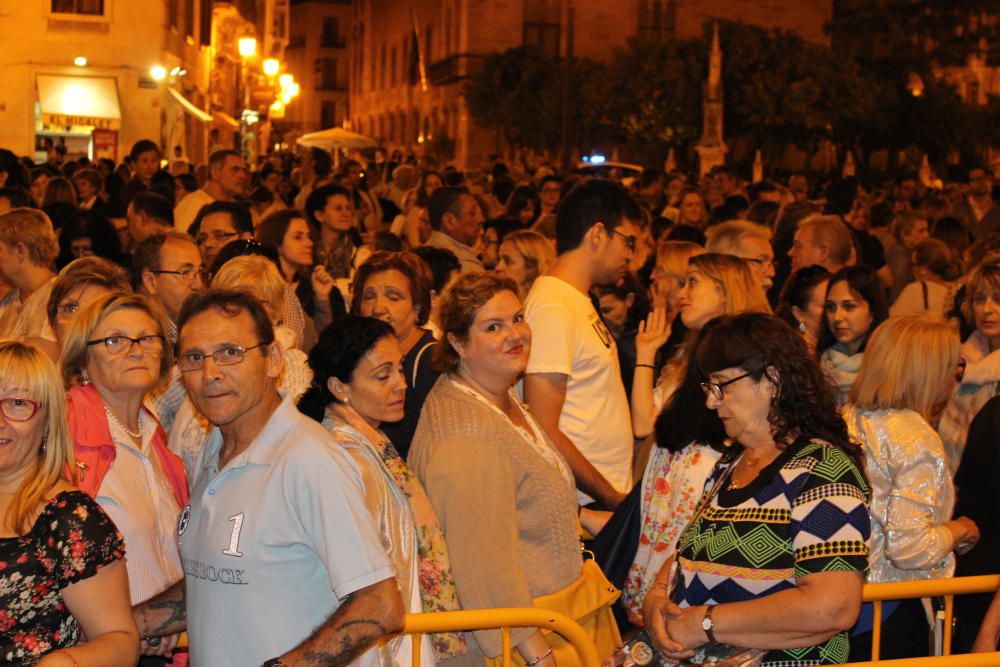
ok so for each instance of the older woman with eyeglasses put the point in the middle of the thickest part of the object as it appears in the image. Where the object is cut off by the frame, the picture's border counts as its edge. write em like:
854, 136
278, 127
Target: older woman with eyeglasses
61, 559
114, 351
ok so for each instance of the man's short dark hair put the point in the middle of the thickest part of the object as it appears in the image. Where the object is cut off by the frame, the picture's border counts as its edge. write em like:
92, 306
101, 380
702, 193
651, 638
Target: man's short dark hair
143, 146
551, 178
92, 176
444, 200
218, 158
238, 213
154, 206
230, 303
187, 181
17, 198
442, 261
586, 205
148, 254
322, 162
840, 196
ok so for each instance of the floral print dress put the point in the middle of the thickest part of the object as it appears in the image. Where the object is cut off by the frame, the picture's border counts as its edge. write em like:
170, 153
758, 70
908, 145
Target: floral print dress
70, 541
671, 489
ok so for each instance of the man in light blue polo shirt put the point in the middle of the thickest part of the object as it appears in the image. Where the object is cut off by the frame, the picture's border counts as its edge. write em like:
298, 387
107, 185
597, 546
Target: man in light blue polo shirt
283, 563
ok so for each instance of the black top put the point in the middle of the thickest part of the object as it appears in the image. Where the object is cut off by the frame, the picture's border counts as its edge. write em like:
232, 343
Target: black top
70, 541
420, 378
976, 489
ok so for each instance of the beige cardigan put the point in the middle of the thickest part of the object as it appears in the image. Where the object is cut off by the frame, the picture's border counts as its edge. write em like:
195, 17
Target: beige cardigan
509, 517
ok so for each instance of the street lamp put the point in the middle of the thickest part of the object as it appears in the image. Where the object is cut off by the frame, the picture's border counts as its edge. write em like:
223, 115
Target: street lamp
158, 72
247, 46
271, 66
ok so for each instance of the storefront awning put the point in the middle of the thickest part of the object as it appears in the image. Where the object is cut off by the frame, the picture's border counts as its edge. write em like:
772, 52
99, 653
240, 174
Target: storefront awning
79, 100
188, 105
225, 121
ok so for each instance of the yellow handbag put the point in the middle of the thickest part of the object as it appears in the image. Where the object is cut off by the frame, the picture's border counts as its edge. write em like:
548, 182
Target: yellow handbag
587, 601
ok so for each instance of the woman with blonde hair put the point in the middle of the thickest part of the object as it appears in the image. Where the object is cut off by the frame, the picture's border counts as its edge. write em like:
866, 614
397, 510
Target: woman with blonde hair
80, 282
907, 373
114, 352
525, 255
61, 557
669, 273
675, 474
981, 355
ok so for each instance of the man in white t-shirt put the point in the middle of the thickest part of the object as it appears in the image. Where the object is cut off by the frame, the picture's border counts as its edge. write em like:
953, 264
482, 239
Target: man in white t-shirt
227, 179
572, 382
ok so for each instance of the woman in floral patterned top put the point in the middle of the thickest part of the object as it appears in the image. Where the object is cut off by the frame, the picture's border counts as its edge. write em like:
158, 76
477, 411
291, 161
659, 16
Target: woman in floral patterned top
61, 570
358, 385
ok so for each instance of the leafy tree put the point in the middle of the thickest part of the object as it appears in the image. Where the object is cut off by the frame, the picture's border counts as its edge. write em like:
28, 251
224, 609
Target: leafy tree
519, 92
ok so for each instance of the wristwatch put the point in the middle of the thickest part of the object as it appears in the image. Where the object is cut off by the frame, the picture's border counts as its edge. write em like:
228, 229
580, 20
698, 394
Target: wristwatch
708, 625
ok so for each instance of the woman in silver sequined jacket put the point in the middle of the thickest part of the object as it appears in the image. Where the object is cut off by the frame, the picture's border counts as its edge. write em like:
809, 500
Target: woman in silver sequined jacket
907, 373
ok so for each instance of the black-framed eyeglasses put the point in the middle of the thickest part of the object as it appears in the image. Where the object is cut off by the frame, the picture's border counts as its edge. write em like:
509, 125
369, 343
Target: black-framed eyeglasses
19, 409
629, 240
227, 356
219, 236
187, 274
121, 344
717, 390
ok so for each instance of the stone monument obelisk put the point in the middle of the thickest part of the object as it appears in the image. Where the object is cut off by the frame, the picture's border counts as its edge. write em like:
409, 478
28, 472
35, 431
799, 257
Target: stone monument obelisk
711, 147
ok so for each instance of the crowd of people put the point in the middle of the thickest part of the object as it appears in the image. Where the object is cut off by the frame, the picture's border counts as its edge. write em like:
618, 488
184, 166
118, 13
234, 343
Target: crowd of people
277, 409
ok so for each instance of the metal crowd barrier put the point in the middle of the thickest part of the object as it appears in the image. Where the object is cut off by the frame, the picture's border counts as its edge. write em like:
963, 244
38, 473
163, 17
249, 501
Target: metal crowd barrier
947, 588
504, 620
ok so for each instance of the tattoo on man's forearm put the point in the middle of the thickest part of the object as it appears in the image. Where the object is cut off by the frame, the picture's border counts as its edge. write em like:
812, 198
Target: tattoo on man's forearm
348, 648
178, 612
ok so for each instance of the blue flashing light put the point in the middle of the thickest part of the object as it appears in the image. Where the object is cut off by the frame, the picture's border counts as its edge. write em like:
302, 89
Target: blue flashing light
597, 158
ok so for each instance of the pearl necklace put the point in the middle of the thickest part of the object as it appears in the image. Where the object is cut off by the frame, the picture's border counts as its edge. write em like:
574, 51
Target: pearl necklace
135, 435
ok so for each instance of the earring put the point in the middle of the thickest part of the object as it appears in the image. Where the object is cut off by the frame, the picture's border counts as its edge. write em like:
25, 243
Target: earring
85, 376
802, 327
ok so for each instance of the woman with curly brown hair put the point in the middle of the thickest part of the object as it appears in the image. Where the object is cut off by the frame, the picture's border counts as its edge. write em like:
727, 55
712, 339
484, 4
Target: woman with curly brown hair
774, 559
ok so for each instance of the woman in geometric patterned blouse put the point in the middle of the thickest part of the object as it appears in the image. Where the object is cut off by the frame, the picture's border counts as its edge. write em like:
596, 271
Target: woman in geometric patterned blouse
775, 560
62, 573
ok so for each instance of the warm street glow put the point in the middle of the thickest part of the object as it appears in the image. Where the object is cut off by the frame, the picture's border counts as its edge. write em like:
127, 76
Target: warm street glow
158, 72
271, 66
247, 46
80, 61
285, 80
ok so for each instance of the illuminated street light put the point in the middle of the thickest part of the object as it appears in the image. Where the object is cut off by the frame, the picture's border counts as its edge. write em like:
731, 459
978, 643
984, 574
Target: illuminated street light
80, 61
271, 67
158, 72
285, 81
247, 46
293, 90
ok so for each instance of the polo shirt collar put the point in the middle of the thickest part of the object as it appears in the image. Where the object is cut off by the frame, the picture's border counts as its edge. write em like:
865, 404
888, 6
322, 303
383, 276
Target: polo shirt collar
265, 447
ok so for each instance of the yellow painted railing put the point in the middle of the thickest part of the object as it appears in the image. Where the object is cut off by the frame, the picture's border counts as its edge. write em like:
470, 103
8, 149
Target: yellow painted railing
947, 588
503, 620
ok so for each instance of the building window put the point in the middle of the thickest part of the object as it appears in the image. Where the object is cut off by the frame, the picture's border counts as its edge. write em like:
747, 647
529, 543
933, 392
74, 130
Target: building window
393, 80
189, 18
972, 92
326, 73
381, 69
328, 114
331, 34
542, 26
84, 7
657, 20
